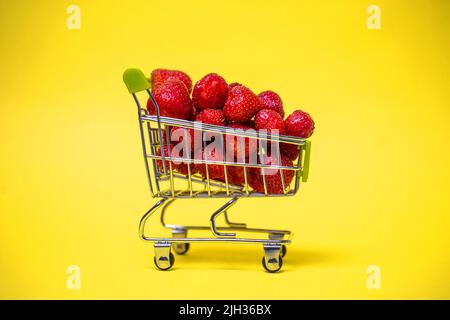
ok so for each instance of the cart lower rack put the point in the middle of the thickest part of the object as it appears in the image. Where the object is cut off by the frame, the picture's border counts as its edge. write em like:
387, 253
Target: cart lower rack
168, 185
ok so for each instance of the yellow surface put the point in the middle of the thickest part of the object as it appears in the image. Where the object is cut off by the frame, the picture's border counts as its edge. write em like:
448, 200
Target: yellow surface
72, 180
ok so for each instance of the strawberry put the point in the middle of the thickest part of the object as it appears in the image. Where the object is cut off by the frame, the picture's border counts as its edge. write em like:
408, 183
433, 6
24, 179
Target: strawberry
234, 145
236, 176
183, 168
269, 120
299, 124
181, 165
194, 113
159, 163
216, 171
273, 177
160, 76
173, 100
150, 107
233, 84
249, 124
177, 135
271, 100
241, 105
210, 92
178, 162
290, 151
211, 116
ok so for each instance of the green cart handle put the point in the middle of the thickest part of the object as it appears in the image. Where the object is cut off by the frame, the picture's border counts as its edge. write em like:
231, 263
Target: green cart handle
135, 80
305, 169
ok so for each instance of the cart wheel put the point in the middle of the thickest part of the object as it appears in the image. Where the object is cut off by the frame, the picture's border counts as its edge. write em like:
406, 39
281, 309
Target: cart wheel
274, 266
181, 248
164, 266
283, 251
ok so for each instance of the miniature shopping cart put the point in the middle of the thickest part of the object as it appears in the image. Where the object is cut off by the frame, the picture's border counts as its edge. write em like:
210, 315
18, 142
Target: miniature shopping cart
168, 185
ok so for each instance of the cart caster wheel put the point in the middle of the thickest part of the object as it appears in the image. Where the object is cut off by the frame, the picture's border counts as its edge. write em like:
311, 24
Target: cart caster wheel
283, 251
164, 263
181, 248
274, 266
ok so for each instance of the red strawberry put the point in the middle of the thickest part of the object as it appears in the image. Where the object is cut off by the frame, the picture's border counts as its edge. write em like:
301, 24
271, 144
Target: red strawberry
250, 123
194, 113
173, 100
234, 145
211, 116
166, 154
165, 129
236, 176
177, 135
210, 92
241, 105
216, 171
181, 164
159, 163
290, 151
299, 124
178, 162
234, 84
269, 120
183, 168
271, 100
150, 107
273, 177
160, 76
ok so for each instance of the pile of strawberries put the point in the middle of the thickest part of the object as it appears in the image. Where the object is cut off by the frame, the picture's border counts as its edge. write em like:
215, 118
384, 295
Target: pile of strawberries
213, 101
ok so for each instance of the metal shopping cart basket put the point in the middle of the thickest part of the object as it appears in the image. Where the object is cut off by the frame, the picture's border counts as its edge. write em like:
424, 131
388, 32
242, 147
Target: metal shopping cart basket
168, 185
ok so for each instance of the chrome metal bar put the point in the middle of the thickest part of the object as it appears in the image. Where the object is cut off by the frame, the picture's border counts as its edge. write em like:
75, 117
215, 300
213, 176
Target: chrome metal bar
264, 181
162, 218
227, 187
233, 224
208, 181
189, 177
202, 181
246, 186
158, 120
165, 203
241, 229
232, 240
147, 215
238, 164
172, 187
144, 149
223, 130
220, 194
153, 152
216, 214
299, 169
242, 143
188, 151
280, 171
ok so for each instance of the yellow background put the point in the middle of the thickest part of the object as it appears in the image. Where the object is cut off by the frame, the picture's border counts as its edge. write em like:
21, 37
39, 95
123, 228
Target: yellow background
72, 179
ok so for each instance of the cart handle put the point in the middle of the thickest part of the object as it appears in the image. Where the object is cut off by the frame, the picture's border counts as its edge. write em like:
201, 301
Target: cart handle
135, 80
305, 170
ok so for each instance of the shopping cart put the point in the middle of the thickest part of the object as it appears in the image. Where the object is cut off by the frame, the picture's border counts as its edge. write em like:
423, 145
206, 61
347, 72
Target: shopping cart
169, 185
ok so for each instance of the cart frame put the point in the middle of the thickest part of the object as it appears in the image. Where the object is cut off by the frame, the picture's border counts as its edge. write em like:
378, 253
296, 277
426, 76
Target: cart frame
154, 129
